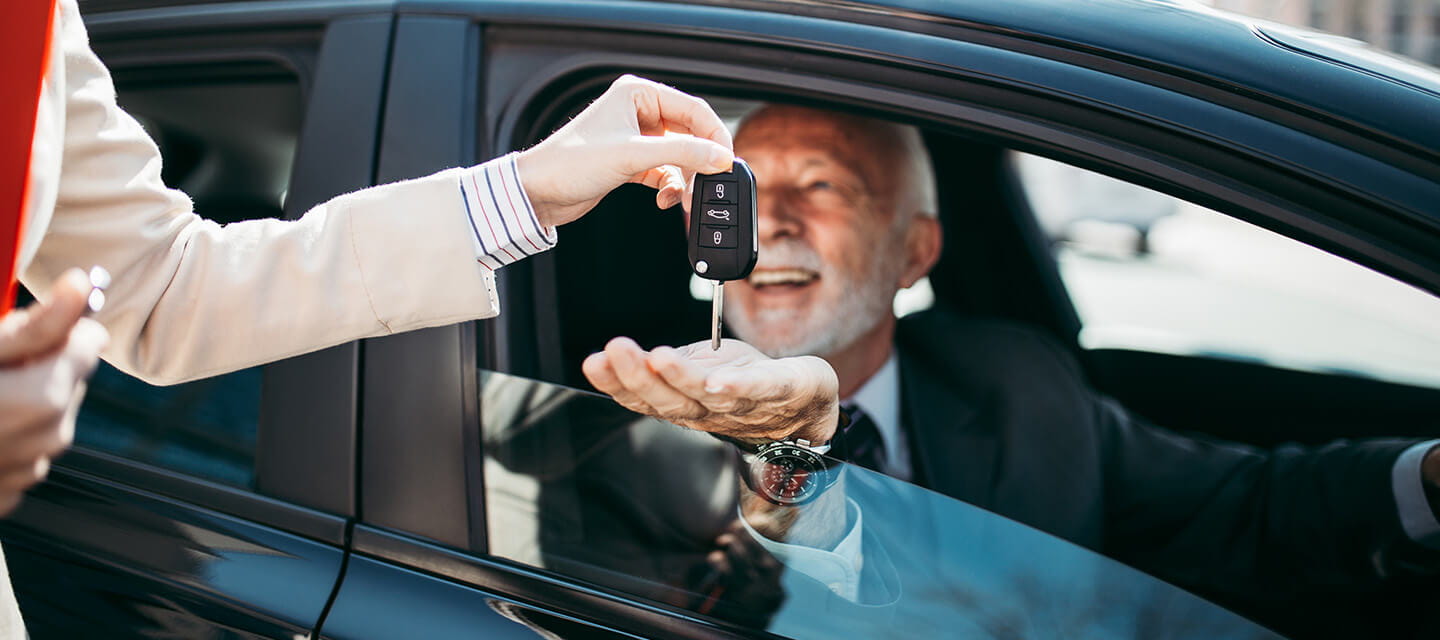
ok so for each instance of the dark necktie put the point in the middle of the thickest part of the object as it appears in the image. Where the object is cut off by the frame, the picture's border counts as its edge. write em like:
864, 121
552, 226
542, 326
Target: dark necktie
860, 442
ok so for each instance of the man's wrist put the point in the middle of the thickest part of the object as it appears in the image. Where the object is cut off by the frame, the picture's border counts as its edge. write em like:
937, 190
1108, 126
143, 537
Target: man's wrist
824, 431
816, 435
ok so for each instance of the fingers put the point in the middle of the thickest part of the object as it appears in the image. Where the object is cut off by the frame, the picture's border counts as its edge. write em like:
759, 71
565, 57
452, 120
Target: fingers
679, 372
724, 380
87, 339
600, 370
735, 390
688, 184
642, 153
669, 182
629, 363
38, 403
43, 327
658, 110
28, 450
668, 108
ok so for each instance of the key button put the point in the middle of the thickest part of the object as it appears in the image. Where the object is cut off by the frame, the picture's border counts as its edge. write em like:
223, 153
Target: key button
720, 215
719, 191
718, 237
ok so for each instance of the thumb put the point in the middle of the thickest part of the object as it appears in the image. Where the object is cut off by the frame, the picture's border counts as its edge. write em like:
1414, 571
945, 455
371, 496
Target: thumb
87, 340
642, 153
42, 327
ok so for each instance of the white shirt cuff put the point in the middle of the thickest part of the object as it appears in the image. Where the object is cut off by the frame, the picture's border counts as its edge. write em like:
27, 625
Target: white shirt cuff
1416, 516
503, 224
838, 568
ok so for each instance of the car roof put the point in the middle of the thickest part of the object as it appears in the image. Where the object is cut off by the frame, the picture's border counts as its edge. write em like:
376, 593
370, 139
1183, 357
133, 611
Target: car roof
1152, 28
1183, 43
1163, 40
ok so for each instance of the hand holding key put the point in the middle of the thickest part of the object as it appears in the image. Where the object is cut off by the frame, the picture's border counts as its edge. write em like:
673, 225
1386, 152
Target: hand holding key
734, 390
637, 131
724, 243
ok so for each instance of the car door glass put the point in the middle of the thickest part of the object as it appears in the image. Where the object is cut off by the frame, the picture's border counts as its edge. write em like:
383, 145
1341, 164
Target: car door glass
227, 139
1150, 272
579, 486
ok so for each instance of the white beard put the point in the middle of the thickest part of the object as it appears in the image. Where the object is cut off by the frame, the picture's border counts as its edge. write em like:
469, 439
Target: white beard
844, 311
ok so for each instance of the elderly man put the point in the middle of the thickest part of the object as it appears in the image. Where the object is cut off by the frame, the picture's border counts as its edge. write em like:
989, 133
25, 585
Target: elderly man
990, 412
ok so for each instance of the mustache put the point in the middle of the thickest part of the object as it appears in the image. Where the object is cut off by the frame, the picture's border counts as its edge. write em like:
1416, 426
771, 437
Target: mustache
789, 254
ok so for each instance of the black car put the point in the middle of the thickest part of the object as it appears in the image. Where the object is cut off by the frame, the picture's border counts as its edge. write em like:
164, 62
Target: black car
1283, 235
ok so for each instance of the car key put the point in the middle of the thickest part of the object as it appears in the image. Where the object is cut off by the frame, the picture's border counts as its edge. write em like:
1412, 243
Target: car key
723, 239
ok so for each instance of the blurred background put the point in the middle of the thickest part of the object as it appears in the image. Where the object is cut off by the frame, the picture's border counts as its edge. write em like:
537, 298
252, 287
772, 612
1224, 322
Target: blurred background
1406, 27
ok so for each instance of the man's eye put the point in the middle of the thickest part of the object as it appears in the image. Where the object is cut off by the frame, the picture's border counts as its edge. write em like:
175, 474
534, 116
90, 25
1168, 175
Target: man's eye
821, 185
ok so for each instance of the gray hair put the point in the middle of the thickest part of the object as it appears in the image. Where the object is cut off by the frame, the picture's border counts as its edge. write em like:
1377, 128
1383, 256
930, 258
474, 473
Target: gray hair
920, 197
917, 196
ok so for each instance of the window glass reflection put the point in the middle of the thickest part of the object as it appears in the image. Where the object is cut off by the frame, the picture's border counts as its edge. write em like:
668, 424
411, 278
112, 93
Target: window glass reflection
577, 485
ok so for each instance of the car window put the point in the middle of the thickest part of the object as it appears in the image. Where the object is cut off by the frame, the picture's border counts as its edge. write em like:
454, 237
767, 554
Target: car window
227, 134
1150, 272
579, 486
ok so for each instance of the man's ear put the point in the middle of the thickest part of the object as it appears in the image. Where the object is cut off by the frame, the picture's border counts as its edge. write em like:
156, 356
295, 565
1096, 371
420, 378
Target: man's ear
923, 242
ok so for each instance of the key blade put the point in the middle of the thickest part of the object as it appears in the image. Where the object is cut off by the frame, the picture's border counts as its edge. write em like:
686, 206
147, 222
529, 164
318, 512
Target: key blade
717, 306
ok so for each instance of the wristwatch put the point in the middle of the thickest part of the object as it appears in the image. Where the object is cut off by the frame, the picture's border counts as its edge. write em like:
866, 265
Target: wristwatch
788, 473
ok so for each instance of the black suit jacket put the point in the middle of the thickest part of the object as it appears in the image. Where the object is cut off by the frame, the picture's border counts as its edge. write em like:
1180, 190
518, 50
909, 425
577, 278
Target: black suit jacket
1000, 416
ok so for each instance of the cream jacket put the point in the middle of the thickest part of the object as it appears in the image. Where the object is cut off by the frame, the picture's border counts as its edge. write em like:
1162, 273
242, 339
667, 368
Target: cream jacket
191, 298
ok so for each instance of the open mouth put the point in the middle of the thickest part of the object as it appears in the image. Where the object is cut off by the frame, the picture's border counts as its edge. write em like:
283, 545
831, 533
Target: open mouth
781, 280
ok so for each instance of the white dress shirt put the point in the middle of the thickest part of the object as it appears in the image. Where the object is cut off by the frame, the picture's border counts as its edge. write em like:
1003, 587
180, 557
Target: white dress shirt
837, 568
879, 398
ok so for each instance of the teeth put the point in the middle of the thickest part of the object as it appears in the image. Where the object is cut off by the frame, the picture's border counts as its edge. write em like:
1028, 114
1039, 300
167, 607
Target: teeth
782, 276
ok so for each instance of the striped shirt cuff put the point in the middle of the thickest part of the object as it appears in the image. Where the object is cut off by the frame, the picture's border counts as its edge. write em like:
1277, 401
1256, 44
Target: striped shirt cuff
503, 225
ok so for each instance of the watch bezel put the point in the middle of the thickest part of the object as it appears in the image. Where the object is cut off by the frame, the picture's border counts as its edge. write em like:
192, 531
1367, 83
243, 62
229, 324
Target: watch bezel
820, 474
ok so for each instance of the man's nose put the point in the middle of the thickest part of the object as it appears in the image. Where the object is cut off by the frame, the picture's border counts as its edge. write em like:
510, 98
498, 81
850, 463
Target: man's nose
776, 217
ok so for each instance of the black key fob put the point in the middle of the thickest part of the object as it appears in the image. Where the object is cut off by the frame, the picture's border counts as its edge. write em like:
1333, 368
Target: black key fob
723, 238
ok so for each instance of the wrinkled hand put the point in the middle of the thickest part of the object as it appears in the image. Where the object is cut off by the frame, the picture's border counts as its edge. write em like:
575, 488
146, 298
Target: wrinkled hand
46, 352
637, 131
736, 391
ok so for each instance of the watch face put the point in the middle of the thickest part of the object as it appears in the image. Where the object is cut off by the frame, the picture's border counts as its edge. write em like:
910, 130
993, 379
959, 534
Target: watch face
788, 475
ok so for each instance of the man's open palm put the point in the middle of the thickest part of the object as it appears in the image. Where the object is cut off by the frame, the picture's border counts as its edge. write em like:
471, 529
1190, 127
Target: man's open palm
735, 391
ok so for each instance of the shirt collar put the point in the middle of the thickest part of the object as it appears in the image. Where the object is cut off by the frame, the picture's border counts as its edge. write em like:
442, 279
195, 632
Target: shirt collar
879, 397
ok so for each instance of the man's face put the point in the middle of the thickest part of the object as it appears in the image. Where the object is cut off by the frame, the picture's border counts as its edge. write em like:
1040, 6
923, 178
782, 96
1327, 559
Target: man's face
831, 251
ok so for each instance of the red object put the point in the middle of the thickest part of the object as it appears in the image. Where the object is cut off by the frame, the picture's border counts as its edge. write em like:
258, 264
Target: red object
24, 57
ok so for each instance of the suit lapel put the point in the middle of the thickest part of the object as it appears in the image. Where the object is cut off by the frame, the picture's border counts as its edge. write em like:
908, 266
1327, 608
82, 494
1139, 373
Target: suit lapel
957, 454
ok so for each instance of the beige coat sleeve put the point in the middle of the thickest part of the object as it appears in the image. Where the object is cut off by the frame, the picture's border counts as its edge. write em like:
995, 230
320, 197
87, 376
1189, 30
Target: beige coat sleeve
192, 298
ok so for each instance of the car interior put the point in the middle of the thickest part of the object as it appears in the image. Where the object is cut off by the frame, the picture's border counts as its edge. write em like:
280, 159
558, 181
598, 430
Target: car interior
622, 271
627, 261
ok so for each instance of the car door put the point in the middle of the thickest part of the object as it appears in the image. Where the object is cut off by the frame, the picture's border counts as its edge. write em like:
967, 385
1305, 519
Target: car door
217, 508
409, 572
491, 78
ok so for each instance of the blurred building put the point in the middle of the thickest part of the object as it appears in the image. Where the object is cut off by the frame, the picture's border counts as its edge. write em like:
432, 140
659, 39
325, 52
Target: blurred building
1407, 27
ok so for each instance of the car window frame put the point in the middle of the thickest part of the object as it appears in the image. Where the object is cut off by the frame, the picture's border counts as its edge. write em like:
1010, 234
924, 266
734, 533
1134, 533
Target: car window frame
304, 458
972, 100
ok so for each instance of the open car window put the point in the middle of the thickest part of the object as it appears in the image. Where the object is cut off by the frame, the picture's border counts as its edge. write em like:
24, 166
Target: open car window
1151, 272
579, 486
